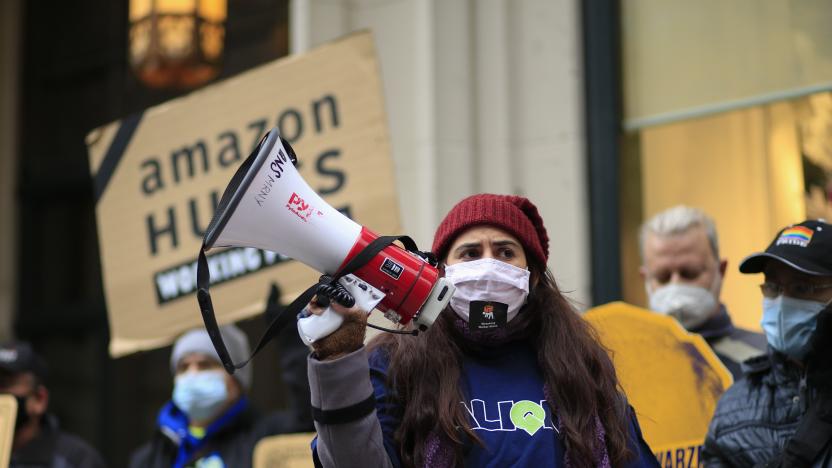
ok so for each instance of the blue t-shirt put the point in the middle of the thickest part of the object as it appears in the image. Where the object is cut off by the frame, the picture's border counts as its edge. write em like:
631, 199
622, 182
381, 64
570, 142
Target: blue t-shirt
508, 411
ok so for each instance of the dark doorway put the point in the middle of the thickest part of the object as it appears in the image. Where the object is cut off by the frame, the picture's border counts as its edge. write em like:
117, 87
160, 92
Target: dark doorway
74, 78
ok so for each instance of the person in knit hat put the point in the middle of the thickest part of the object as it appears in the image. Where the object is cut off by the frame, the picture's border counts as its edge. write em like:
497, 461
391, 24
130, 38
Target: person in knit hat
509, 374
209, 420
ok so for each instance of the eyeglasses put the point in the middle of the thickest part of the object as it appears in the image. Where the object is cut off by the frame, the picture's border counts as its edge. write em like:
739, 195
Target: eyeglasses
795, 290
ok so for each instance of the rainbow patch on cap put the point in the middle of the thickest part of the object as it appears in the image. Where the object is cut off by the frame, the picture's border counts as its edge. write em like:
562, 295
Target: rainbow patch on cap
797, 235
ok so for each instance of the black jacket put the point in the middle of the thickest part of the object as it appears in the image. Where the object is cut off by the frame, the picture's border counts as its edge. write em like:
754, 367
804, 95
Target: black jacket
235, 443
757, 417
53, 448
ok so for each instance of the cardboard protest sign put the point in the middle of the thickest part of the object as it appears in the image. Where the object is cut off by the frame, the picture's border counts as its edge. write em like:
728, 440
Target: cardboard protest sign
8, 415
284, 451
160, 174
671, 377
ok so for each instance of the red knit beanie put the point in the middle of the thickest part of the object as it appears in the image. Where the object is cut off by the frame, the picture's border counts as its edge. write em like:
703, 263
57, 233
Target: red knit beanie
512, 213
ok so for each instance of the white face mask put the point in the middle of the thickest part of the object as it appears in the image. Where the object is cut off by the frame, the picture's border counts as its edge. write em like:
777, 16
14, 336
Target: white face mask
200, 395
690, 305
488, 280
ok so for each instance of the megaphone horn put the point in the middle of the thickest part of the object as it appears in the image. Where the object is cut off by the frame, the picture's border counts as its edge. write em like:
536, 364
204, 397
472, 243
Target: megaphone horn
268, 205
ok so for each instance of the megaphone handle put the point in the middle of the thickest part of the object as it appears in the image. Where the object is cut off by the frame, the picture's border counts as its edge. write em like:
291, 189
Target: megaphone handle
315, 327
365, 296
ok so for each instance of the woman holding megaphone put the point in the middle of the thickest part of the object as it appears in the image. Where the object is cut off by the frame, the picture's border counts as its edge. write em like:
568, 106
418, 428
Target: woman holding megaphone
508, 375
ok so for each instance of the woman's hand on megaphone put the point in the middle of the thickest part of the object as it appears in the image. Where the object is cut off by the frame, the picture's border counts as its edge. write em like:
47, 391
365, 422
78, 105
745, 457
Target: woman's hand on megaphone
347, 338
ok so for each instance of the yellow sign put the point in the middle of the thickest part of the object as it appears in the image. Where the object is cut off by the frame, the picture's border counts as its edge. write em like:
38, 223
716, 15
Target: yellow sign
284, 451
8, 415
671, 377
160, 174
680, 454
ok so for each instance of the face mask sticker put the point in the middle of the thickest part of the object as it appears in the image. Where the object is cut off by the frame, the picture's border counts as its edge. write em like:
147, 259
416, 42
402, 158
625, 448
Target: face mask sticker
487, 315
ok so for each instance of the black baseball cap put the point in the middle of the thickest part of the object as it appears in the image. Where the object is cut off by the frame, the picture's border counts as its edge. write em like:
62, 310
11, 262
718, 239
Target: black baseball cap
18, 356
806, 247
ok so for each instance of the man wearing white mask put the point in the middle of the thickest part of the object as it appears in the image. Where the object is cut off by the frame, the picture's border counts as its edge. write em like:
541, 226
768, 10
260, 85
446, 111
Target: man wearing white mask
683, 277
781, 414
209, 421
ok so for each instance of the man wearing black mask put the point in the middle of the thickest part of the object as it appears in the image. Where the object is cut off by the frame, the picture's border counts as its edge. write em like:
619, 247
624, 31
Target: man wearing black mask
37, 440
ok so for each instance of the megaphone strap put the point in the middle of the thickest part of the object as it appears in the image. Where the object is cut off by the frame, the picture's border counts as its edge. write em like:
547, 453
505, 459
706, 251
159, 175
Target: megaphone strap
373, 248
206, 306
395, 332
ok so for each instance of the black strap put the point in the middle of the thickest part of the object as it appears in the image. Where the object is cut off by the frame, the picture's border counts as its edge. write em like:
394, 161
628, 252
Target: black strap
812, 435
345, 415
395, 332
206, 307
371, 250
289, 314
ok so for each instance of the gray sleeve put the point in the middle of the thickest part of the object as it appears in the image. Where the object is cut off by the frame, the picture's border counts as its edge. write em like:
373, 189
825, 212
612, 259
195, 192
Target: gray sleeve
339, 384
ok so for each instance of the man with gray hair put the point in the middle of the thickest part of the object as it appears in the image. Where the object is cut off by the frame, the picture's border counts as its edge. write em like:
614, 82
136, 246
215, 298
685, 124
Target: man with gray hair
683, 275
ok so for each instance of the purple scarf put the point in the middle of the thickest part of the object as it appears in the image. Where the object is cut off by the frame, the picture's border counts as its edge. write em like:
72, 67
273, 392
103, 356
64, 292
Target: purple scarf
439, 451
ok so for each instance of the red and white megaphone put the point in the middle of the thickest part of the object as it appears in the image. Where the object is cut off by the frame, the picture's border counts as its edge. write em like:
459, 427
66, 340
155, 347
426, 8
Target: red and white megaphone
268, 205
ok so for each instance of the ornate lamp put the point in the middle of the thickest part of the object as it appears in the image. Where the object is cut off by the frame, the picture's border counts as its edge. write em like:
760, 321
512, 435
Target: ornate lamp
177, 43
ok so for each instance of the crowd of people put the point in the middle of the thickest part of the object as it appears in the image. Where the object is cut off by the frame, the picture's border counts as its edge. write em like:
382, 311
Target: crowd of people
510, 374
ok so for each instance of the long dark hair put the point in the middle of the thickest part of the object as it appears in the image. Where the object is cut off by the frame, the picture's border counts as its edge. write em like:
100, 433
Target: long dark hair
424, 373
